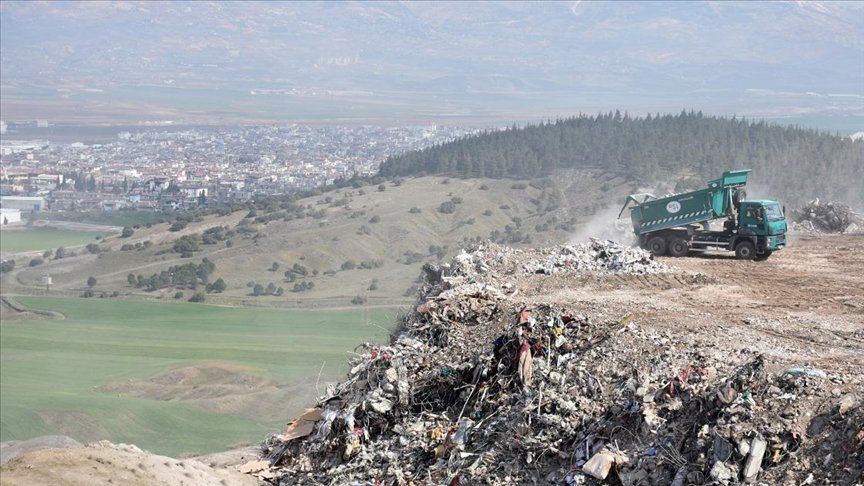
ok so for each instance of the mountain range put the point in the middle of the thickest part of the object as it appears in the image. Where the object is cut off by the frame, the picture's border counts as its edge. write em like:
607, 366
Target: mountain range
199, 61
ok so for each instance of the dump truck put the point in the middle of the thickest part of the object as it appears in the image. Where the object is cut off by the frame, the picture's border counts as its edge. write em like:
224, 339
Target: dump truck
680, 224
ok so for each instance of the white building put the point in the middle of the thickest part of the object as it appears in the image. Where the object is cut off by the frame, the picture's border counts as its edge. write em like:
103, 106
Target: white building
22, 203
9, 216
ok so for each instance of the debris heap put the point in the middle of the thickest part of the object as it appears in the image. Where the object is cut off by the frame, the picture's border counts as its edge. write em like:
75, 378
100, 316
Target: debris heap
830, 217
477, 388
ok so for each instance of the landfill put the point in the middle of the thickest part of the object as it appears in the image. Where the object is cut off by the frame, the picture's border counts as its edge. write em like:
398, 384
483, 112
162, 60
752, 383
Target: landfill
828, 217
481, 385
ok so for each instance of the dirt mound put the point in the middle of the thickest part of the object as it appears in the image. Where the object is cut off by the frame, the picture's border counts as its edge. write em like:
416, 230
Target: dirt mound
107, 463
222, 388
497, 377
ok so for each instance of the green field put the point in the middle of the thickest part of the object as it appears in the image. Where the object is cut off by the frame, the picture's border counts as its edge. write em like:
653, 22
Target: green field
50, 368
31, 239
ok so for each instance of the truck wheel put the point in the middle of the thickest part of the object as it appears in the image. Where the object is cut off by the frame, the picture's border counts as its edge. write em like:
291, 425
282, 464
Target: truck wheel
739, 195
657, 246
678, 247
745, 251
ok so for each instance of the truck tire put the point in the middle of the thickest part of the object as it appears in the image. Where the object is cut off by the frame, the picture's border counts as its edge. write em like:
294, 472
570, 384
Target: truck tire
678, 247
739, 195
745, 250
657, 246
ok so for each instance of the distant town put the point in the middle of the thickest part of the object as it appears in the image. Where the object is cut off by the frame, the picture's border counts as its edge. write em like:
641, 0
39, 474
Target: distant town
167, 168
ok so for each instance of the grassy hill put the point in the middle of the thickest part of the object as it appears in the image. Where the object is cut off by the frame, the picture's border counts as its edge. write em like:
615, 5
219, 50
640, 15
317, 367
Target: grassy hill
390, 227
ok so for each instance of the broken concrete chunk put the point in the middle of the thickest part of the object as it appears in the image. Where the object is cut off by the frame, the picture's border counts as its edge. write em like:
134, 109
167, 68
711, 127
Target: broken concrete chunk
754, 460
600, 464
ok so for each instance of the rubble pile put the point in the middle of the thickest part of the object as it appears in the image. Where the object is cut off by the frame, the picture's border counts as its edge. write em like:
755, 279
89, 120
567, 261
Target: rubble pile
830, 217
476, 388
598, 255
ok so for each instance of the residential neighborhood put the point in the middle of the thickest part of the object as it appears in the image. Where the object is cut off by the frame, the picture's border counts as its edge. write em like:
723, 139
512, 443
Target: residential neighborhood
182, 169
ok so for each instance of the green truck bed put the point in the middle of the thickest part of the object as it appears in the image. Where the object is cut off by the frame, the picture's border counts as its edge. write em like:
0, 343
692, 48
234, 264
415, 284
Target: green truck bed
651, 213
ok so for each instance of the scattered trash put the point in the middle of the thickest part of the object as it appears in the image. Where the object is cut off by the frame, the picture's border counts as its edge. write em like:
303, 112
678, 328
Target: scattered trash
476, 387
830, 217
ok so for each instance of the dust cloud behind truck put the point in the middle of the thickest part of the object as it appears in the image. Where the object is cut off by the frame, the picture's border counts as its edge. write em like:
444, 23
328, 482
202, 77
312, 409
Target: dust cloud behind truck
679, 224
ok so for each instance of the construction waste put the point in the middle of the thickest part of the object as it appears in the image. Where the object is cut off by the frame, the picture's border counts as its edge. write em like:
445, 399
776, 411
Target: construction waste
475, 387
830, 217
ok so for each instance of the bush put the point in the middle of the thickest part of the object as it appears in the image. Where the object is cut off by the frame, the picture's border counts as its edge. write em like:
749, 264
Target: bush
519, 186
93, 248
87, 293
91, 281
177, 226
488, 212
60, 253
415, 210
483, 187
198, 297
36, 262
358, 300
375, 219
448, 207
127, 232
7, 266
381, 187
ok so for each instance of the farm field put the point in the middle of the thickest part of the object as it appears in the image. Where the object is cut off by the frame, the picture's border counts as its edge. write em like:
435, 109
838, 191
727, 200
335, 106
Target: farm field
35, 239
172, 378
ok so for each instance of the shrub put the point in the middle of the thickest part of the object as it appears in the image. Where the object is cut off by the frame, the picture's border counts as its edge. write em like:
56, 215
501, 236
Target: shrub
7, 266
93, 248
177, 226
448, 207
358, 300
87, 293
91, 281
375, 219
415, 210
36, 261
179, 294
127, 232
198, 297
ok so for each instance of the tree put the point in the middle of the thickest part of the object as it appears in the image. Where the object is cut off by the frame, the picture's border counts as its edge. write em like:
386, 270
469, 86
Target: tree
271, 289
127, 232
217, 287
91, 281
59, 253
258, 290
36, 261
131, 279
7, 266
274, 267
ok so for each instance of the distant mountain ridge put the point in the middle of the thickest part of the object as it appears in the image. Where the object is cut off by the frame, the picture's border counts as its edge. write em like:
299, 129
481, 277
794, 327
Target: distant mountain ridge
380, 59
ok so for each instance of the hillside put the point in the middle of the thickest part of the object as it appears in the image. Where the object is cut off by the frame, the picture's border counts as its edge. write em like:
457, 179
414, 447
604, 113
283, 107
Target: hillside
342, 240
792, 164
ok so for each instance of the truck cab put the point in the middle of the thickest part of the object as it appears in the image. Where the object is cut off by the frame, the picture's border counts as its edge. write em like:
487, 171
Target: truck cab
763, 223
